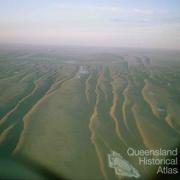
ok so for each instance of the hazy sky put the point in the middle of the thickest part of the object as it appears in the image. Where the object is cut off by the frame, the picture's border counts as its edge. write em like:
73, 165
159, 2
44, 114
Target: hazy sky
129, 23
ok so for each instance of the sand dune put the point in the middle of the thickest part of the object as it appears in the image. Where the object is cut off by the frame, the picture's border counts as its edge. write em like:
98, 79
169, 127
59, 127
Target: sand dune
5, 133
34, 108
92, 127
80, 110
112, 113
125, 103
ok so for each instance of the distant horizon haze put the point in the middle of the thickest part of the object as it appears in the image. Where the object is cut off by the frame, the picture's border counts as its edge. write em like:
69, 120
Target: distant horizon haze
116, 23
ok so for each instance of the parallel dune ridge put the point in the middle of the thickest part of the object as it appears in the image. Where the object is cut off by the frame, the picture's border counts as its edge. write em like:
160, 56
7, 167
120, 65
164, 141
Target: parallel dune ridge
69, 115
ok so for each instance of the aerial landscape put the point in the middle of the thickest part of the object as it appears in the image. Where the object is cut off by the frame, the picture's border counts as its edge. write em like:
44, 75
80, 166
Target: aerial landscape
89, 90
62, 111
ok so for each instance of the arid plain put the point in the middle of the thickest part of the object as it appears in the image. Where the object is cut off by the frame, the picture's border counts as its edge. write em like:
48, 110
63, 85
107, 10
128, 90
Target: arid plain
67, 108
